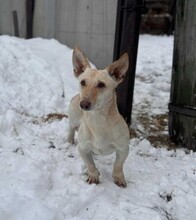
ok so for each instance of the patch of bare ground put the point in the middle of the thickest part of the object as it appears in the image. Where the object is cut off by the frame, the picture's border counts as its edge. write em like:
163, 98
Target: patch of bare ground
54, 116
133, 133
161, 140
155, 129
47, 118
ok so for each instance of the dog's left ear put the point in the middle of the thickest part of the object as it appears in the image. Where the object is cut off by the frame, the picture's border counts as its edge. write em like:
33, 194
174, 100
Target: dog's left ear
118, 69
80, 62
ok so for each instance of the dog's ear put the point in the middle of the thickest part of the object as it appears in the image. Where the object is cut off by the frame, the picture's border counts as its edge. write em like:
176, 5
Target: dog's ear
80, 62
118, 69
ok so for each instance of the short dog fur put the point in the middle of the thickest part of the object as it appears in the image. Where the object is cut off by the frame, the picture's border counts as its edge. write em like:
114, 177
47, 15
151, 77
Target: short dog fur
101, 129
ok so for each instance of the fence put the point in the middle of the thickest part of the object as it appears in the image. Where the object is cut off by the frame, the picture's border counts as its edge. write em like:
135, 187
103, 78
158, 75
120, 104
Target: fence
182, 115
89, 24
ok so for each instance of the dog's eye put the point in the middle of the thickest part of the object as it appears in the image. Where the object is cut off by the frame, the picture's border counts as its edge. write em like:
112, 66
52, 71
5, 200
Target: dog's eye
83, 83
101, 85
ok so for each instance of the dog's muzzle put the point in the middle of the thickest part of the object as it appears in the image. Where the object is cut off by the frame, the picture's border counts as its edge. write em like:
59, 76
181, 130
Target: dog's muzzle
85, 105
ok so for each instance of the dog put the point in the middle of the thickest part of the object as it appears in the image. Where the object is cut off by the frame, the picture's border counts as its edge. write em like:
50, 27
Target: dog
94, 112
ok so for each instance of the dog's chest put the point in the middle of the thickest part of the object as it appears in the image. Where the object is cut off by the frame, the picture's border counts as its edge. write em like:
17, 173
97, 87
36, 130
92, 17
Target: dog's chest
98, 132
102, 145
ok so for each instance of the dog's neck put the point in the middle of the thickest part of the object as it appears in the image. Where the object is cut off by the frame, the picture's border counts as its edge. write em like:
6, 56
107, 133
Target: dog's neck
107, 110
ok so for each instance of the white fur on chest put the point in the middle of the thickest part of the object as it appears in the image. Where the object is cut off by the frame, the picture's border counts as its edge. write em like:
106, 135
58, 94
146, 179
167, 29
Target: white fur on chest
98, 135
102, 145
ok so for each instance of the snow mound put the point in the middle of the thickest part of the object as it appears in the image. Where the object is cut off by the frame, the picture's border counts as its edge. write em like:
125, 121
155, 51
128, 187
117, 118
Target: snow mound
42, 176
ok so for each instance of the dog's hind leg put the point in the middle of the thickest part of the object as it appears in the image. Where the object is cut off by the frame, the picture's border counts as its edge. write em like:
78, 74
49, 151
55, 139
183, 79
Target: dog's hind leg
74, 115
71, 134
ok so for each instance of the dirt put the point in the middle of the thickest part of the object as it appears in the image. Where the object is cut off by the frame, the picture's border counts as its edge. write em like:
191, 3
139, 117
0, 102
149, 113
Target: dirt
155, 129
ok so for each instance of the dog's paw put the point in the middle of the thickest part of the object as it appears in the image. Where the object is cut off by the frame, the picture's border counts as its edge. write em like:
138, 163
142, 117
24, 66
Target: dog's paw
70, 140
120, 181
70, 136
92, 179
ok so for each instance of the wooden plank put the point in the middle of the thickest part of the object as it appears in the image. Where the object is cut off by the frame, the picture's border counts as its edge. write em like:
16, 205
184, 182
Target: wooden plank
182, 128
89, 24
44, 21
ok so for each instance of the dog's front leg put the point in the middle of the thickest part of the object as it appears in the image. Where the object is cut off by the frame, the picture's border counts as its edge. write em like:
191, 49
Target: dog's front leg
93, 173
118, 174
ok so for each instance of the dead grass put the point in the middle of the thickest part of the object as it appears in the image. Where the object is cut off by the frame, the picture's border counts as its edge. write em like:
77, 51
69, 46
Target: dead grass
53, 116
161, 140
155, 129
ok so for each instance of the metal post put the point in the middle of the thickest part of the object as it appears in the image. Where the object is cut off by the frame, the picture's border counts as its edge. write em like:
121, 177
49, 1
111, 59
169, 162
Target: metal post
126, 40
29, 18
15, 19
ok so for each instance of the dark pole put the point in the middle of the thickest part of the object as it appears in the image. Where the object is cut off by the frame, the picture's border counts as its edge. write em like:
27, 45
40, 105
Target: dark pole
15, 19
126, 40
29, 18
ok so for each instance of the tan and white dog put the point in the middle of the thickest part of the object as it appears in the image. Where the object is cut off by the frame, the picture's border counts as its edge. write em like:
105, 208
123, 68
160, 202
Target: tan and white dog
101, 129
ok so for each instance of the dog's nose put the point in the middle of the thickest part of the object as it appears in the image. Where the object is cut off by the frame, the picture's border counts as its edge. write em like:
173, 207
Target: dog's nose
85, 105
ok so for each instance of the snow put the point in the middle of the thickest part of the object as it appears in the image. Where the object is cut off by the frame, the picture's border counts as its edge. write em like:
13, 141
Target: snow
42, 176
153, 77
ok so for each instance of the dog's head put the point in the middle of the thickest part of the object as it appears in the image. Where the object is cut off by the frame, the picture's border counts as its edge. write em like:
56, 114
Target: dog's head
97, 87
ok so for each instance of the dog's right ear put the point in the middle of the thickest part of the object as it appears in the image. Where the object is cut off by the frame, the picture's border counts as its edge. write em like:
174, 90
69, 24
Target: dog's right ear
80, 62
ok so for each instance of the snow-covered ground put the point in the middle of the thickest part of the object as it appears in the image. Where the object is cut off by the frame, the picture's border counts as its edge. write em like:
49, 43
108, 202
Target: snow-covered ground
42, 176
